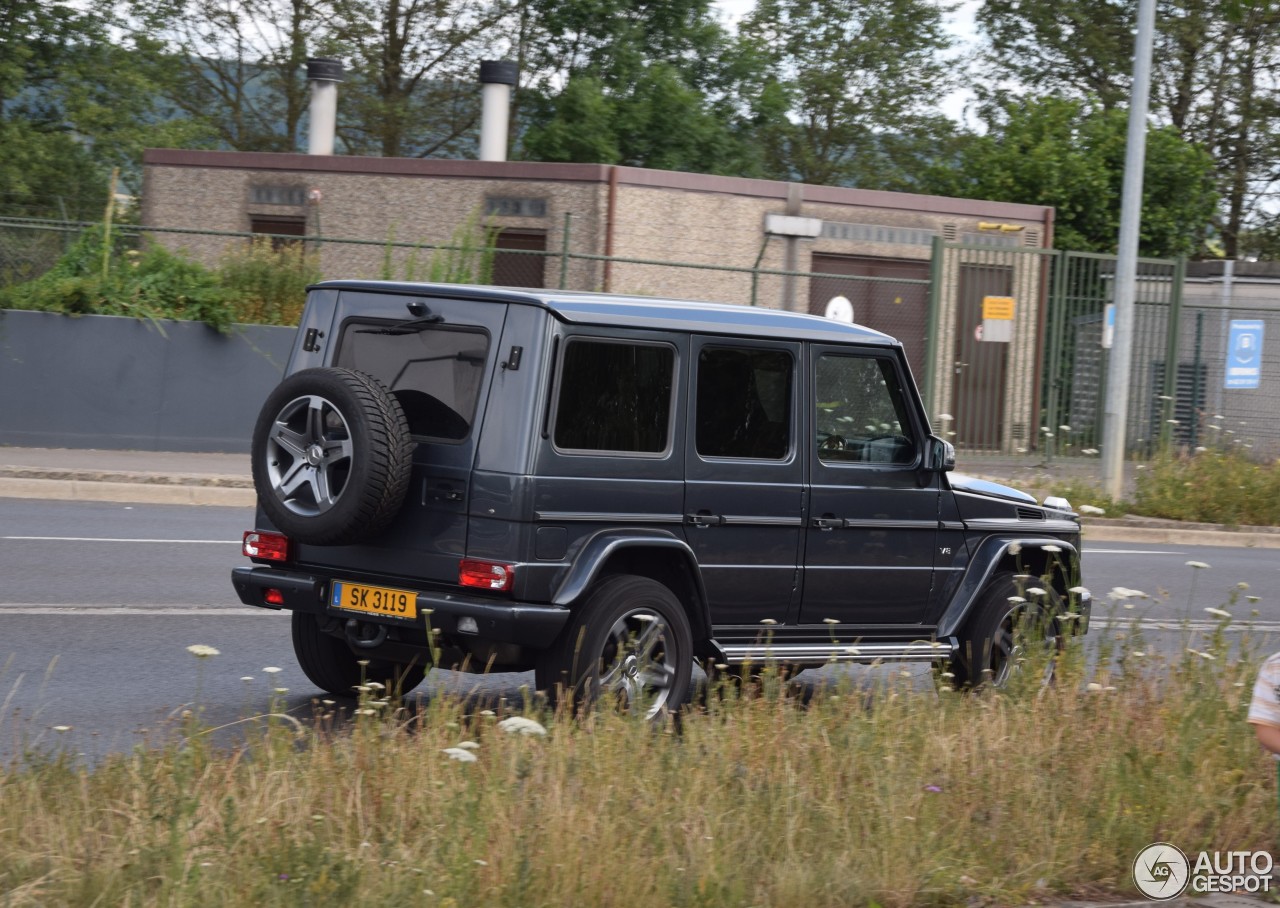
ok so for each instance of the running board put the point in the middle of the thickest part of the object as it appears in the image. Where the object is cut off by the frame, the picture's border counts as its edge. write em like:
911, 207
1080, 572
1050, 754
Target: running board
819, 653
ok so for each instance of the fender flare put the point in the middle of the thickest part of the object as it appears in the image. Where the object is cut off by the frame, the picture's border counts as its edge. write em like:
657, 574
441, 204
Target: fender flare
600, 547
982, 566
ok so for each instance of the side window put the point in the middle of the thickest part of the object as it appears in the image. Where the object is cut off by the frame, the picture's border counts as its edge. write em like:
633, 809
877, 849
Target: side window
615, 396
860, 412
434, 373
744, 403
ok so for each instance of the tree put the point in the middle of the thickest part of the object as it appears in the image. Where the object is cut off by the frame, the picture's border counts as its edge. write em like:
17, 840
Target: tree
842, 81
1215, 80
1068, 154
237, 68
644, 83
412, 89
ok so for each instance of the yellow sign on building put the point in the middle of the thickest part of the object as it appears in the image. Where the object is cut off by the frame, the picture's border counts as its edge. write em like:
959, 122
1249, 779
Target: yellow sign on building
997, 308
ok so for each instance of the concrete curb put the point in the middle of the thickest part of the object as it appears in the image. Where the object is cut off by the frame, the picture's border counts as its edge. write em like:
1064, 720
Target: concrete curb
1171, 532
130, 492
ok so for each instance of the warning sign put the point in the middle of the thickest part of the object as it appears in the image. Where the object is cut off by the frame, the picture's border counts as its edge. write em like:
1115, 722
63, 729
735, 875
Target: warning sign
997, 308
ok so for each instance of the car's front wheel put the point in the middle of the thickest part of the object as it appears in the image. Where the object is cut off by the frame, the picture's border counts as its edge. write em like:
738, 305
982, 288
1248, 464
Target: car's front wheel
1007, 622
628, 646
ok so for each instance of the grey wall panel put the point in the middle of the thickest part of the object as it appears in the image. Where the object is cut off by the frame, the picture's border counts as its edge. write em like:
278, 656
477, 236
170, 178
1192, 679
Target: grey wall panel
122, 383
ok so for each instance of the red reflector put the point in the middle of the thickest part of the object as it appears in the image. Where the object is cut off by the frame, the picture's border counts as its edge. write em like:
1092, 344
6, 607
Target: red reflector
271, 546
486, 575
273, 597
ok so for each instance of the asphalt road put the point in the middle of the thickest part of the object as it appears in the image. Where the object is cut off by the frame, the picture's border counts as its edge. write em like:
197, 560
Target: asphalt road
98, 602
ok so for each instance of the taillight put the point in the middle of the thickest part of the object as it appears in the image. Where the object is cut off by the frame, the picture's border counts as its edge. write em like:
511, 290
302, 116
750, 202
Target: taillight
268, 546
273, 597
486, 575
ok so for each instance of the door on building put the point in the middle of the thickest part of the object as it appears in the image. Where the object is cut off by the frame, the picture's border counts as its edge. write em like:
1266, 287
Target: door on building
978, 388
278, 228
886, 304
524, 267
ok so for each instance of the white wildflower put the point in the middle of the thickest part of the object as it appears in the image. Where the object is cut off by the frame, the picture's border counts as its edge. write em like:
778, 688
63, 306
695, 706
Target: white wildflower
830, 620
519, 725
1036, 591
1064, 428
1079, 590
1123, 592
461, 754
1093, 686
1016, 599
271, 670
1218, 612
1051, 548
468, 745
1090, 510
61, 728
769, 621
945, 417
1015, 548
247, 678
200, 651
1199, 565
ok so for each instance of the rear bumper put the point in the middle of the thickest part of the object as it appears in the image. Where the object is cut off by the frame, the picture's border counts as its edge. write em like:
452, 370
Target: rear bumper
522, 623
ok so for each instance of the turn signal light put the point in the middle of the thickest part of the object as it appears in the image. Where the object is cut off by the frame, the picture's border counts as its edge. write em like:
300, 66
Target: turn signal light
486, 575
268, 546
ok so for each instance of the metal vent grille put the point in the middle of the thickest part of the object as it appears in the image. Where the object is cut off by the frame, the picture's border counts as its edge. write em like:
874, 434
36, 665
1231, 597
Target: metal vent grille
950, 232
1031, 239
1030, 514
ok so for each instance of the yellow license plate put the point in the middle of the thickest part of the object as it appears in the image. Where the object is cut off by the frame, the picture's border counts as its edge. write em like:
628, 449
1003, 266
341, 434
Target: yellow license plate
376, 600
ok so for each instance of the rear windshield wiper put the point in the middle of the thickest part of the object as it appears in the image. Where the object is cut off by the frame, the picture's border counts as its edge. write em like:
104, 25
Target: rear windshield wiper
412, 326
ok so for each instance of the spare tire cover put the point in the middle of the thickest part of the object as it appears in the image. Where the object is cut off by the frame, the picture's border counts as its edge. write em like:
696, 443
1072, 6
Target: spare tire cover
331, 456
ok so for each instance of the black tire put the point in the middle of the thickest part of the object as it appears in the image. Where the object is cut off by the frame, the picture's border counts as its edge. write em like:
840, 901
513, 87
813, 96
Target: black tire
628, 644
334, 667
331, 456
999, 630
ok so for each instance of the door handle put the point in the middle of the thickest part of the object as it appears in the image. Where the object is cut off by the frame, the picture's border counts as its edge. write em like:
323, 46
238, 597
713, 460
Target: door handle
828, 523
704, 519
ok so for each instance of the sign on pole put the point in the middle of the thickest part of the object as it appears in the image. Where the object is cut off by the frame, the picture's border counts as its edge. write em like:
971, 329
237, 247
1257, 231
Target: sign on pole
1244, 353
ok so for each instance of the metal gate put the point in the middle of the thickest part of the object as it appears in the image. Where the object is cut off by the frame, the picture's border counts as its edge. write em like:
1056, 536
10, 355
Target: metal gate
1019, 348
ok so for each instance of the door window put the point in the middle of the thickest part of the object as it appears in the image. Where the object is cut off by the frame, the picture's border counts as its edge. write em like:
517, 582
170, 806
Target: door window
615, 396
861, 413
744, 403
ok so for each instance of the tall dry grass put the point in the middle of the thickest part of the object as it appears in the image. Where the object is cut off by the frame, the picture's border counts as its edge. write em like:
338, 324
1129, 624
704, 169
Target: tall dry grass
848, 796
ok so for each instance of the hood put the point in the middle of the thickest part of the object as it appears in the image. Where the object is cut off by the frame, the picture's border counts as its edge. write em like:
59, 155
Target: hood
962, 483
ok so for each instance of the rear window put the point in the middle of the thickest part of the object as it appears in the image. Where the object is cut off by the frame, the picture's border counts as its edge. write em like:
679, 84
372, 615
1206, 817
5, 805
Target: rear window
615, 396
434, 373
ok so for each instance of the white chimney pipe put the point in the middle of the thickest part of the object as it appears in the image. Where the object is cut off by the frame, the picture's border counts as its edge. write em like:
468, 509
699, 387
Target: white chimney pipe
324, 76
496, 79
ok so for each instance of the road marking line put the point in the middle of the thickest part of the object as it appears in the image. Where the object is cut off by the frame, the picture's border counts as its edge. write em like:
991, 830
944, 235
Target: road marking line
1174, 624
83, 609
105, 539
1126, 552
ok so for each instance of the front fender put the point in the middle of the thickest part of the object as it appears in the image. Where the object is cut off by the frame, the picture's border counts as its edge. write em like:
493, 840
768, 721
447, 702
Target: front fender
599, 548
983, 565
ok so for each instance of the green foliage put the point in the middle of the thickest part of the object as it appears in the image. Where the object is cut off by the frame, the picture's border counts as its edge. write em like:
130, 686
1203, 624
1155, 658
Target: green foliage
839, 77
254, 284
1068, 154
1214, 486
267, 285
466, 259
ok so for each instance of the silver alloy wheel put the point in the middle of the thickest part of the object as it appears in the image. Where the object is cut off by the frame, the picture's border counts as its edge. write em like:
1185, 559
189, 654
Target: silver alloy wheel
1009, 651
308, 455
633, 663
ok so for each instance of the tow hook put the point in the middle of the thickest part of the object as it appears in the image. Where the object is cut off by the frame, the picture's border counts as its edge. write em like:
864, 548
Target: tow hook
365, 636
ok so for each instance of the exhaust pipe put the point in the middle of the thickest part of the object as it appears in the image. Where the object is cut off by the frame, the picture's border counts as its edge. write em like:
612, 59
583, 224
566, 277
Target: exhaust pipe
324, 75
496, 78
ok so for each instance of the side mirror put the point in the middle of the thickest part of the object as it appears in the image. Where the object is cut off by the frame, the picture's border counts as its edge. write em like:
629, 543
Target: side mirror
940, 455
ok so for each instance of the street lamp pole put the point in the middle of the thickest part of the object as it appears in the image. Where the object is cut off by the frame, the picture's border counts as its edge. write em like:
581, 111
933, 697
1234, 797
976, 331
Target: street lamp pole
1118, 377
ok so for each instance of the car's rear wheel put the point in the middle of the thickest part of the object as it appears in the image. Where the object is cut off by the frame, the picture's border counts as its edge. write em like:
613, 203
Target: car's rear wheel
628, 646
331, 665
331, 456
1008, 621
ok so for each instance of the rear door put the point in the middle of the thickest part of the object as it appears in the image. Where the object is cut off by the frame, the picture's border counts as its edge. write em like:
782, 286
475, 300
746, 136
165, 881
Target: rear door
872, 527
440, 373
744, 491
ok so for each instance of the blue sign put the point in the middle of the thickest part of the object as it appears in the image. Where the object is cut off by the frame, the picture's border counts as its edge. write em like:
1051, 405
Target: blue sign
1244, 354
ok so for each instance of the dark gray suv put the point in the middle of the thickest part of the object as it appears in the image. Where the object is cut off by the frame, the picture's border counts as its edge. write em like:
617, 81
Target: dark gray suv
605, 489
